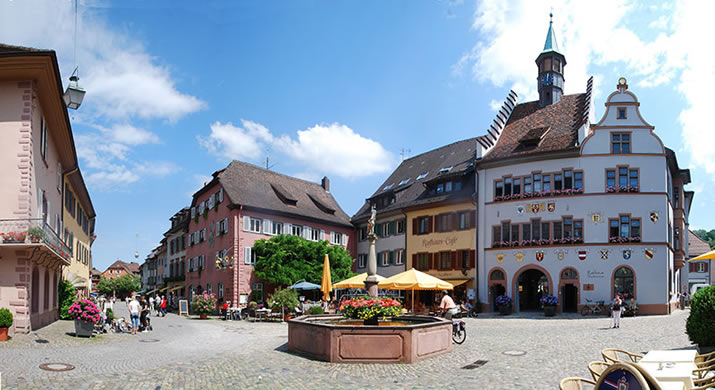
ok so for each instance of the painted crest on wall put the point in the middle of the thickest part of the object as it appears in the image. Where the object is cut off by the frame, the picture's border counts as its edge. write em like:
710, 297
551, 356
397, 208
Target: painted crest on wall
539, 255
649, 253
500, 258
654, 216
627, 254
551, 207
561, 253
604, 254
520, 209
582, 254
519, 257
535, 207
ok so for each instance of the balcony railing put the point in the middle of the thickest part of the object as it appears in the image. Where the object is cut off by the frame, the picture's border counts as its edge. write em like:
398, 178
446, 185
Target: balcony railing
33, 231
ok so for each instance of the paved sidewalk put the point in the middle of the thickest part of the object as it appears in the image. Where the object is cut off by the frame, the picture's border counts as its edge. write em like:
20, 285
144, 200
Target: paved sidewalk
186, 353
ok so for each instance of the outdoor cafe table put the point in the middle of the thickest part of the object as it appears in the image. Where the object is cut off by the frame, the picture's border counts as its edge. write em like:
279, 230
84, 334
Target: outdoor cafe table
669, 367
261, 314
681, 356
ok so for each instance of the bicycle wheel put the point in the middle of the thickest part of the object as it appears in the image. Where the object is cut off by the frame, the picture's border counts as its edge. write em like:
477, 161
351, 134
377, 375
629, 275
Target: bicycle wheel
585, 310
459, 336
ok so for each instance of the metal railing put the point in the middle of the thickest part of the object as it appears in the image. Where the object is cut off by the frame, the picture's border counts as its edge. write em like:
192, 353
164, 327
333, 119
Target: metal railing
33, 230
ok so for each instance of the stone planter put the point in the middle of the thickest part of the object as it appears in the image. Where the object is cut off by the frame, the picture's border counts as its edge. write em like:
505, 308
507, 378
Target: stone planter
83, 329
3, 334
549, 311
504, 309
203, 316
370, 321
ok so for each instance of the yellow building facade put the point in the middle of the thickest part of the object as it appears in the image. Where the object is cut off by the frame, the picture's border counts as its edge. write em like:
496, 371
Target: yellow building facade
78, 231
440, 241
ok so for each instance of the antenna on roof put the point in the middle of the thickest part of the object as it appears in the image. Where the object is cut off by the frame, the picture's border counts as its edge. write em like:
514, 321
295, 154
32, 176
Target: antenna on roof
267, 160
404, 154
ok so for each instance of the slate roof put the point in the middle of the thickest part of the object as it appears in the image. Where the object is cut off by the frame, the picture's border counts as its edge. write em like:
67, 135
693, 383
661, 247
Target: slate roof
459, 155
252, 186
561, 122
696, 245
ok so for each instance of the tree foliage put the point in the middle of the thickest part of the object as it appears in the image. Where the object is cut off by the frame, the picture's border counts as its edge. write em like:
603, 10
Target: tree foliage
708, 236
121, 286
286, 259
700, 325
67, 295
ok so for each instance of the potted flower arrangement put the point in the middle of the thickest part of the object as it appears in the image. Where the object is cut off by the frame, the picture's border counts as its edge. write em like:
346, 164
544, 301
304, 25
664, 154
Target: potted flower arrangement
5, 323
36, 234
13, 236
204, 304
284, 301
369, 309
85, 315
549, 302
504, 304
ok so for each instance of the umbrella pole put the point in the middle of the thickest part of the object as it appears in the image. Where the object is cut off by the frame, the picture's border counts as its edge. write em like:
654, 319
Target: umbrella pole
413, 300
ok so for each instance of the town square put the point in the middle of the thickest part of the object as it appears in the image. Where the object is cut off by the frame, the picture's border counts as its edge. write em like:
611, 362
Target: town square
349, 195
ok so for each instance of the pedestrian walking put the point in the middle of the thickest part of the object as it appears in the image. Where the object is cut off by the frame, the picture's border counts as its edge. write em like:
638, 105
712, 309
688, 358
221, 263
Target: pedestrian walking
143, 314
163, 306
157, 302
616, 310
151, 304
134, 309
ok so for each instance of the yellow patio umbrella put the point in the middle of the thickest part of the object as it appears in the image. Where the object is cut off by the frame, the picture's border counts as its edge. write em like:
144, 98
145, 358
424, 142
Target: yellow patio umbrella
413, 279
326, 286
357, 281
705, 256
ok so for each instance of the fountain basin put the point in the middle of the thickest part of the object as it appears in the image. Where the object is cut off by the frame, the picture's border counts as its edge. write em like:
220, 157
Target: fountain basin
330, 338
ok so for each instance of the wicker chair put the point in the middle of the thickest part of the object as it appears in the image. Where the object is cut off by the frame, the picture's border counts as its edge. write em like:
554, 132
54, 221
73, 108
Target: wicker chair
596, 368
573, 383
702, 384
612, 355
704, 357
703, 371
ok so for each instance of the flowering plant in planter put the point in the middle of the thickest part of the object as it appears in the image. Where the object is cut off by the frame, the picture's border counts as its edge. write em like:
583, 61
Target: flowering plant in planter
13, 236
504, 300
367, 308
204, 304
84, 310
549, 300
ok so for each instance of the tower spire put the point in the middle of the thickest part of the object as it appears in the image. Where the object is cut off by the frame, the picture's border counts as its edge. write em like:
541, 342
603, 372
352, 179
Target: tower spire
550, 64
550, 44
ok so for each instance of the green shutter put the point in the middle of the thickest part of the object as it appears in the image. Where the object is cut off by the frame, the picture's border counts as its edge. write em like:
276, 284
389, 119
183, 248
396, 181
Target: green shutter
392, 258
392, 228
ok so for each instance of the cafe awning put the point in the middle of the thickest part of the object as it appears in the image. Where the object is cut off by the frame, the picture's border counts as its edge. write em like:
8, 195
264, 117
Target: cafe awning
176, 288
457, 282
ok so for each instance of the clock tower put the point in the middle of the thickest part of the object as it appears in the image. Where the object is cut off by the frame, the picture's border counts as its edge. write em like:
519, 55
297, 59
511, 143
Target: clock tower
551, 70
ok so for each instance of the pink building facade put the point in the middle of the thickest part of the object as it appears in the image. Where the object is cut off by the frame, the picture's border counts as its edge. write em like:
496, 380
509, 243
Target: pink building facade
37, 150
244, 203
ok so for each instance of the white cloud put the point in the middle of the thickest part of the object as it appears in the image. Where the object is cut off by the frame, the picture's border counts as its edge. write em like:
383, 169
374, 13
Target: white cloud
331, 148
122, 80
604, 33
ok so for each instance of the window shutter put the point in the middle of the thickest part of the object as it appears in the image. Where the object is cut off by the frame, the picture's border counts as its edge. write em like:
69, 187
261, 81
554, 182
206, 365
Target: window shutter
378, 229
193, 212
414, 261
266, 226
471, 219
344, 241
705, 267
247, 255
415, 226
246, 223
691, 267
432, 260
306, 232
430, 222
322, 234
453, 260
392, 227
220, 195
472, 258
452, 222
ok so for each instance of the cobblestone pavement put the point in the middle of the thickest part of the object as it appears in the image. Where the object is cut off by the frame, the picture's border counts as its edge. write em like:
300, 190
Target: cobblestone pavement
213, 354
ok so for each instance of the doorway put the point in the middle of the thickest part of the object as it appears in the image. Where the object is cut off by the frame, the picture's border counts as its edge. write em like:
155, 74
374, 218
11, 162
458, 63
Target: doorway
533, 285
496, 290
569, 293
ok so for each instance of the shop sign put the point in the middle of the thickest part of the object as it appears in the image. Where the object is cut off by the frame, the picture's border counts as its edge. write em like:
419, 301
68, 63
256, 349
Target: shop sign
449, 241
592, 274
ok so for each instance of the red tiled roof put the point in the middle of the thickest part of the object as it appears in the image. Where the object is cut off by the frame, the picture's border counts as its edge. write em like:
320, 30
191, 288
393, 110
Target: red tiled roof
696, 245
132, 268
562, 120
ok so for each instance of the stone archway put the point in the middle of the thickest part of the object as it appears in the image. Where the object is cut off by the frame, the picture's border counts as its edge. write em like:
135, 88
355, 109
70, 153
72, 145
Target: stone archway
532, 284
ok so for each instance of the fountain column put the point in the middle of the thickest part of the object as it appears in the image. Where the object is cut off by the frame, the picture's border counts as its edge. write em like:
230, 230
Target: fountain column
371, 280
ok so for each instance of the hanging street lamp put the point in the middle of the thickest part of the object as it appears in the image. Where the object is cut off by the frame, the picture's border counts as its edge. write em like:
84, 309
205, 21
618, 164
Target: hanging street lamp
74, 94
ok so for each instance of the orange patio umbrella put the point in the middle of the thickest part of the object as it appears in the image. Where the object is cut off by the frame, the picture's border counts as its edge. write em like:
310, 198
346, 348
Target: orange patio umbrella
326, 286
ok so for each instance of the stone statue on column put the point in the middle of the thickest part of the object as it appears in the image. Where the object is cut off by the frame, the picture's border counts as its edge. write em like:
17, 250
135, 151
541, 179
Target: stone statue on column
371, 280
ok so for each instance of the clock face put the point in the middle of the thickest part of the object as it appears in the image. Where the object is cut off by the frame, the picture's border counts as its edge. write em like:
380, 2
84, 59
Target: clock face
547, 79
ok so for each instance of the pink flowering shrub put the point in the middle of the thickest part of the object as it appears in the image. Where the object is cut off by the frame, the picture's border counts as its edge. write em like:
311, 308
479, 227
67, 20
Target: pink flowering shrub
366, 307
84, 310
204, 304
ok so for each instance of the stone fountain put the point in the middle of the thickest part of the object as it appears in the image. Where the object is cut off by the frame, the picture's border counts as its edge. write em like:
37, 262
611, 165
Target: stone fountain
405, 339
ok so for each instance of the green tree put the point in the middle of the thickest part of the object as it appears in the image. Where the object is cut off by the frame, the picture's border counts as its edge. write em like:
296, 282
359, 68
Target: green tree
126, 284
708, 236
106, 286
67, 295
286, 259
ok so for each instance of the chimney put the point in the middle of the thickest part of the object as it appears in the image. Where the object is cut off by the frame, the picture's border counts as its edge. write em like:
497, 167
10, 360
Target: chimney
325, 183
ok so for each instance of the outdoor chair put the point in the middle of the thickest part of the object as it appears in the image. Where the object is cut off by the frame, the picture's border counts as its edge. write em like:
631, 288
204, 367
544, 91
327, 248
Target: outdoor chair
597, 368
704, 371
706, 383
574, 383
699, 359
612, 355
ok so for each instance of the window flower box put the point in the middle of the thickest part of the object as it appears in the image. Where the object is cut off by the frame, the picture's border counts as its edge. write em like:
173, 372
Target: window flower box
13, 237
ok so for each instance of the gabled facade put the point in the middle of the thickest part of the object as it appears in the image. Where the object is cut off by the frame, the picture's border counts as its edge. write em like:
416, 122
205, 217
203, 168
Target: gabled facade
78, 219
120, 268
37, 150
697, 272
244, 203
176, 244
577, 210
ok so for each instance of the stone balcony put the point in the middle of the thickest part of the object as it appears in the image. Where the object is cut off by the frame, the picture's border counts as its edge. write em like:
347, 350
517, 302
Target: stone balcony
35, 235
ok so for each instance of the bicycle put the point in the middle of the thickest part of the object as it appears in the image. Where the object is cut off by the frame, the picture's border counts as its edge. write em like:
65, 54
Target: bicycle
459, 332
593, 308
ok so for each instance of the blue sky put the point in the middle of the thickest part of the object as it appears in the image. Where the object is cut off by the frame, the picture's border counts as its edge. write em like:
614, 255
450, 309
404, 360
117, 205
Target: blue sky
175, 89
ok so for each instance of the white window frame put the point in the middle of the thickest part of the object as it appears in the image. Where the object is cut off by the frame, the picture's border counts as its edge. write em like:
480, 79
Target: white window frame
276, 227
256, 225
219, 289
385, 259
362, 261
208, 288
297, 229
249, 257
399, 257
315, 235
43, 138
700, 267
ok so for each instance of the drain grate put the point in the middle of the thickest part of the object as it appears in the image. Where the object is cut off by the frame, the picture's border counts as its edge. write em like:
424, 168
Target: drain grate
474, 365
149, 340
42, 341
515, 352
56, 367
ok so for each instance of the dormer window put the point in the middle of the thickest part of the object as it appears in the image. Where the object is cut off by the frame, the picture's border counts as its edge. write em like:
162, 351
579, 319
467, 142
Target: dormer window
421, 176
404, 181
387, 187
445, 170
621, 113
